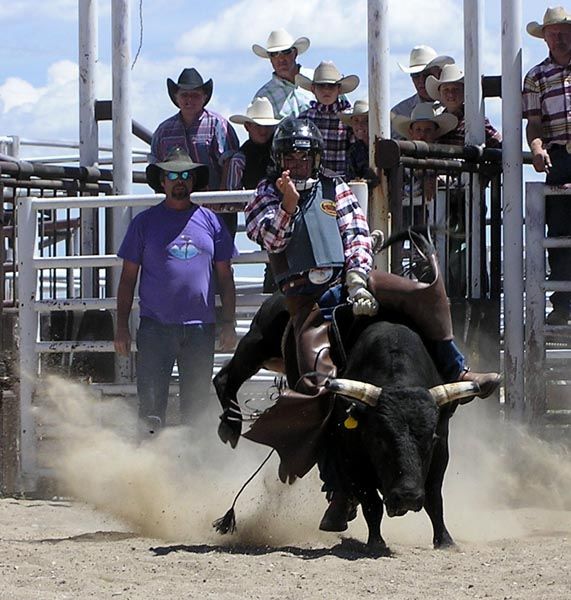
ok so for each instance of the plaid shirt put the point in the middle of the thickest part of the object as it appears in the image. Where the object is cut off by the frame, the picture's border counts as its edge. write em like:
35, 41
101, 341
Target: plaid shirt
268, 224
286, 97
209, 140
456, 136
336, 135
547, 94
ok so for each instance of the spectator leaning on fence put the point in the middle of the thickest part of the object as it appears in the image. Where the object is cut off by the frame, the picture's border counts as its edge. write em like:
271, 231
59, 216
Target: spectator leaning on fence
286, 97
177, 247
547, 108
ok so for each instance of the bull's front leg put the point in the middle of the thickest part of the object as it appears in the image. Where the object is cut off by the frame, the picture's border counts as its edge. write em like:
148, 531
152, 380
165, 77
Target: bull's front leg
433, 503
372, 507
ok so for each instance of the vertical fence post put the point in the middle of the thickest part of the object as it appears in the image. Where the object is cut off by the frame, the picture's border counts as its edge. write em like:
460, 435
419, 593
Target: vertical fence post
513, 211
28, 332
534, 297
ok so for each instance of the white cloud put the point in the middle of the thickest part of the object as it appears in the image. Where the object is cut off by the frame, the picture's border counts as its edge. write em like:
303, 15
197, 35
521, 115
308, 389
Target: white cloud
326, 22
65, 10
17, 93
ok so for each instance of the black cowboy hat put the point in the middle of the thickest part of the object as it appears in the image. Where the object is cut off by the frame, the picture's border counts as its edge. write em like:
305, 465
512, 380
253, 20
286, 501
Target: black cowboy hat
178, 161
189, 79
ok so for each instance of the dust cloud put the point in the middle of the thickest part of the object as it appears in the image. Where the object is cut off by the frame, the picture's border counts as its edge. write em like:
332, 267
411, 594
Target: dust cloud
173, 486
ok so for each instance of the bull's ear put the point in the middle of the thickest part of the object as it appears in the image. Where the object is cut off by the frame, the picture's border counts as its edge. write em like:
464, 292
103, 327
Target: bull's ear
443, 394
365, 392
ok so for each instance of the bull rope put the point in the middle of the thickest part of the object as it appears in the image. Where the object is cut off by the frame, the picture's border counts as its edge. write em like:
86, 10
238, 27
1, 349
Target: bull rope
227, 523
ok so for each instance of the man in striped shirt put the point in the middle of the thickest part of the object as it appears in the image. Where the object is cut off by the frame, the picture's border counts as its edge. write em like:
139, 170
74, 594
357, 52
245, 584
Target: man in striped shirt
547, 108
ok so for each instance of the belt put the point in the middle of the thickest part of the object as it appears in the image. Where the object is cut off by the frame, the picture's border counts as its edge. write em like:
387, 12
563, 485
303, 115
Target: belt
294, 282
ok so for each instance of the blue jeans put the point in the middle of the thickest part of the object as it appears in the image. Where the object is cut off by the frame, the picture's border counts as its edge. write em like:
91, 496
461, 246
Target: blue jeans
558, 220
159, 345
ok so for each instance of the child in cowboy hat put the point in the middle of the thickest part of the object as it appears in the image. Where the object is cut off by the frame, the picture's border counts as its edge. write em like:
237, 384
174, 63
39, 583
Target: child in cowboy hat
424, 61
448, 89
285, 96
327, 85
249, 165
424, 125
358, 165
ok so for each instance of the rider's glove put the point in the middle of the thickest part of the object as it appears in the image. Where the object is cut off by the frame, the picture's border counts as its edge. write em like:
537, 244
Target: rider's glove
363, 301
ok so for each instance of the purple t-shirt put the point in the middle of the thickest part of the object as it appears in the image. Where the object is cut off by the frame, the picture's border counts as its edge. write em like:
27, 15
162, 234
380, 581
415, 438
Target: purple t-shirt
176, 250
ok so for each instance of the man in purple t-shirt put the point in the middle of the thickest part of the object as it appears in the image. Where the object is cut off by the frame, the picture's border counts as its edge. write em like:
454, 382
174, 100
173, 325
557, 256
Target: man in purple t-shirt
177, 247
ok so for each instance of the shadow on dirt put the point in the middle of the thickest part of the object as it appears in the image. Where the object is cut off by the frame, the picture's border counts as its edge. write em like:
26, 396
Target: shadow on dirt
347, 549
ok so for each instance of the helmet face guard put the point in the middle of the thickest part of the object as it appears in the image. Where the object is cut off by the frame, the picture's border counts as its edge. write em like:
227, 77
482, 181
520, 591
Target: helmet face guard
297, 135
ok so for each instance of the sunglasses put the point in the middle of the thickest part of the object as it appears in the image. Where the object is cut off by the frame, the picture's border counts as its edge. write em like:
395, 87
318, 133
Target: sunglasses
173, 175
286, 52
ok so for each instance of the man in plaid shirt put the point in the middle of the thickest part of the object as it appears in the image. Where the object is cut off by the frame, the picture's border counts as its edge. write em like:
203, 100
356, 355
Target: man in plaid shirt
546, 106
207, 136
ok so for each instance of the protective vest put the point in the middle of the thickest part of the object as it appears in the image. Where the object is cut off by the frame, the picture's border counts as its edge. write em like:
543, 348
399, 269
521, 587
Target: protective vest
257, 161
316, 239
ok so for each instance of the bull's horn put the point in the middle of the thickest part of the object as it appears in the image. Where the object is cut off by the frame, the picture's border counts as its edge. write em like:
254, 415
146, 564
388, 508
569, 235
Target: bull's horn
443, 394
366, 392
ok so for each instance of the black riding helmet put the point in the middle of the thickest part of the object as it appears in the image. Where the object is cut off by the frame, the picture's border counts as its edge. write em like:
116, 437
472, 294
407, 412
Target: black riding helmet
297, 134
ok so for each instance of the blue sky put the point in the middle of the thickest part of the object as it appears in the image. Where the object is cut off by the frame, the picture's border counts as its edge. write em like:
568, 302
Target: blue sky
38, 52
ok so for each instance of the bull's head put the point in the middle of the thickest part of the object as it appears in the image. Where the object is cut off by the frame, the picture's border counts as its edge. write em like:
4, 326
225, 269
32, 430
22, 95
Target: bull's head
370, 394
398, 430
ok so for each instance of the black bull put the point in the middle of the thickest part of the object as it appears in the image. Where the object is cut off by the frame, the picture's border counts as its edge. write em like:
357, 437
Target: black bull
390, 437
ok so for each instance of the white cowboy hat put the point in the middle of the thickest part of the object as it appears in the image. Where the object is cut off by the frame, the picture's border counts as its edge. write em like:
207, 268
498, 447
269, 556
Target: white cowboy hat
279, 40
450, 74
260, 112
552, 16
361, 107
440, 61
327, 72
425, 111
420, 56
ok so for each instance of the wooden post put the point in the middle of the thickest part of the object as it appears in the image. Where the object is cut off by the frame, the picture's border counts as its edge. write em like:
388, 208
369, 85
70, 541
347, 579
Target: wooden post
9, 446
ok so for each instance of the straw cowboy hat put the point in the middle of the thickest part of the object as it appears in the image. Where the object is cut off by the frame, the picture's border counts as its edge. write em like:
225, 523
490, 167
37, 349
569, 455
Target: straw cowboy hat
189, 79
177, 160
259, 112
327, 72
279, 40
420, 56
361, 107
450, 74
552, 16
425, 111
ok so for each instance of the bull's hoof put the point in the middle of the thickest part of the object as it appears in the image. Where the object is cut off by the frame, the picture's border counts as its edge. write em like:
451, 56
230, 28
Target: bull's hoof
447, 543
377, 549
229, 431
342, 508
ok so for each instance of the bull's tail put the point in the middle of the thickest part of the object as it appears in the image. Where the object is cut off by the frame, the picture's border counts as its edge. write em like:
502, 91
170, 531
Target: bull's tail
227, 523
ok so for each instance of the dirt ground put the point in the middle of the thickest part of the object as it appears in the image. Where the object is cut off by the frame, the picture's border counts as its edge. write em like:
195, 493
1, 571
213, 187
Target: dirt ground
140, 522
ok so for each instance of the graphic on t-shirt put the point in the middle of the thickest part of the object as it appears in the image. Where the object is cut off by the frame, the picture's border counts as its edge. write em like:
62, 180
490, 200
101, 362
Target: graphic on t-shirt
183, 248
